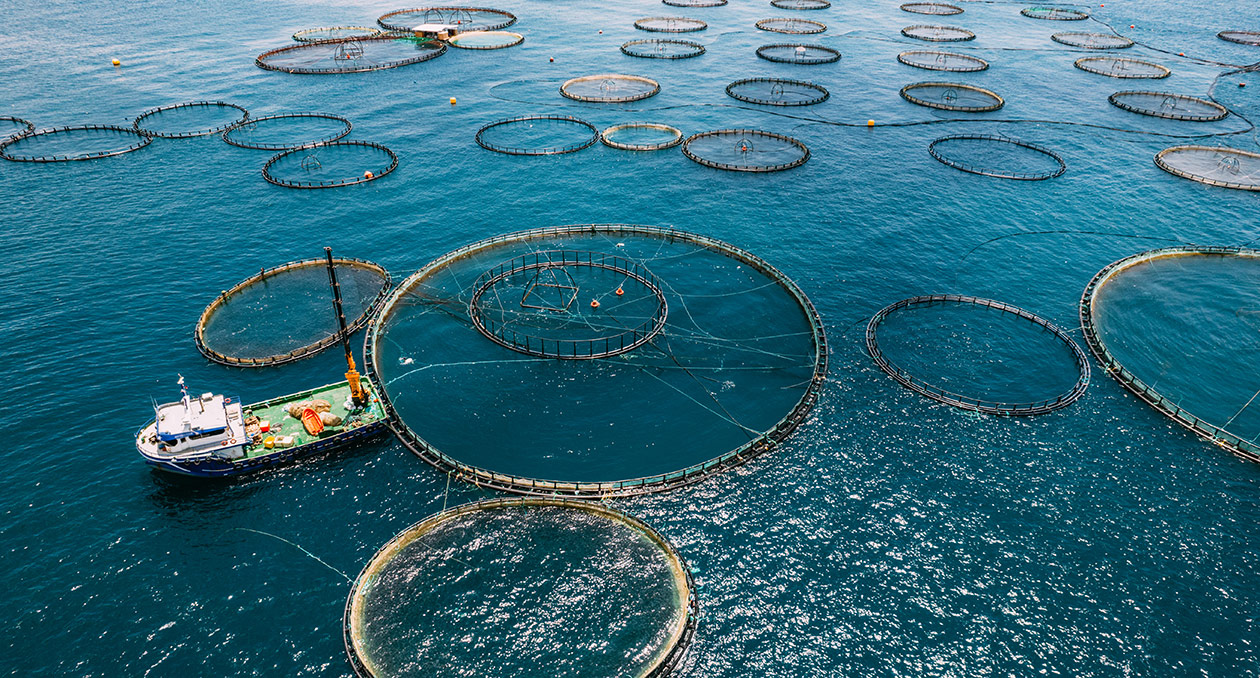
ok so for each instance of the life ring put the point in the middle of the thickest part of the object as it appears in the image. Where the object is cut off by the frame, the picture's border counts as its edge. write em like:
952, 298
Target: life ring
232, 441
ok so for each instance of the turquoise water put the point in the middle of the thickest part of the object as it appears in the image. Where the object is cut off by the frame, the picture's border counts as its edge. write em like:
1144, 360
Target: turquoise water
890, 536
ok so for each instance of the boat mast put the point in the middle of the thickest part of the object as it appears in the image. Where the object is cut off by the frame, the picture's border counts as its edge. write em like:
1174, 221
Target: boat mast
352, 375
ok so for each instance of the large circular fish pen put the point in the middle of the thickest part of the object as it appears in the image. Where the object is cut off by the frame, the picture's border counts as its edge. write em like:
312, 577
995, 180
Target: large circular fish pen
1215, 165
1120, 67
933, 8
191, 119
997, 156
537, 135
798, 54
286, 131
777, 92
670, 24
1054, 14
325, 33
791, 26
693, 357
662, 49
938, 33
952, 96
338, 163
745, 150
354, 55
609, 88
931, 60
465, 19
1092, 40
1168, 105
641, 136
65, 144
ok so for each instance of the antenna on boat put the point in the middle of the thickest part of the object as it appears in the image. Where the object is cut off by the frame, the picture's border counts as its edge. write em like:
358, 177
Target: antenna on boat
352, 375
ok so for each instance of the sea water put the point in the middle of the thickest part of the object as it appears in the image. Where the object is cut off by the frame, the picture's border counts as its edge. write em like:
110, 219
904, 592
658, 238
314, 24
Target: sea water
890, 535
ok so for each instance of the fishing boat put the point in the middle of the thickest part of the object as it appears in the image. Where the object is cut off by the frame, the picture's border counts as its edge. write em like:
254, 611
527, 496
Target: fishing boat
214, 435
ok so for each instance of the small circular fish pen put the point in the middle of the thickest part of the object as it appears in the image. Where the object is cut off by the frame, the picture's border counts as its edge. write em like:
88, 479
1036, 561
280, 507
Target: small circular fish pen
355, 55
285, 131
609, 88
993, 346
641, 136
486, 40
65, 144
1120, 67
777, 92
662, 49
537, 135
934, 8
1093, 40
792, 26
670, 24
800, 4
283, 314
745, 150
191, 119
325, 33
694, 3
931, 60
338, 163
476, 570
1168, 105
798, 54
465, 19
1054, 14
1240, 37
929, 33
949, 96
1213, 165
995, 156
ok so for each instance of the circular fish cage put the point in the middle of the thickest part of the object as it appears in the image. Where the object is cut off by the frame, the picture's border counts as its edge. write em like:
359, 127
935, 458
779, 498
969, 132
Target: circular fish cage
1167, 105
792, 26
330, 165
356, 55
1093, 40
285, 313
278, 132
11, 127
777, 92
662, 49
1200, 379
1054, 14
325, 33
1214, 165
936, 8
994, 156
537, 135
609, 88
465, 19
798, 54
1240, 37
694, 3
745, 150
191, 119
736, 366
64, 144
938, 33
486, 40
942, 61
1120, 67
949, 96
544, 322
991, 344
641, 136
476, 570
800, 4
670, 24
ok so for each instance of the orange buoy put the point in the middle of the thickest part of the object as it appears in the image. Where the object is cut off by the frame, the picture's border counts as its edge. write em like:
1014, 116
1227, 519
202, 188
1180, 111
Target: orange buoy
368, 174
594, 303
620, 291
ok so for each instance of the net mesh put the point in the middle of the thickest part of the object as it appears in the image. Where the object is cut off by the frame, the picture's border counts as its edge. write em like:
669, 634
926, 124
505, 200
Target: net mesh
335, 33
338, 163
463, 18
670, 24
487, 566
746, 150
609, 88
936, 8
1240, 37
942, 61
938, 33
984, 355
1215, 165
792, 26
1118, 67
952, 97
798, 54
662, 49
777, 92
63, 144
191, 119
1167, 105
996, 156
537, 135
486, 40
286, 131
285, 313
641, 136
1093, 40
358, 55
1054, 13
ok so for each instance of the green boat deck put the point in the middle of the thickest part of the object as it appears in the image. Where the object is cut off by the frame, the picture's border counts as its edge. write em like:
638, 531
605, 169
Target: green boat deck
282, 424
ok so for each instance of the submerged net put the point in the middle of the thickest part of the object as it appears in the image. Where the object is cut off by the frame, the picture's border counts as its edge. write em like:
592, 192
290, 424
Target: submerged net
486, 40
464, 19
1171, 106
798, 54
537, 135
609, 88
63, 144
942, 61
995, 156
1093, 40
1054, 13
191, 119
978, 355
800, 4
338, 163
734, 368
1215, 165
950, 96
663, 49
792, 26
285, 131
938, 33
286, 313
357, 55
745, 150
1120, 67
670, 24
11, 127
937, 8
694, 3
545, 586
335, 33
777, 92
641, 136
1240, 37
1179, 328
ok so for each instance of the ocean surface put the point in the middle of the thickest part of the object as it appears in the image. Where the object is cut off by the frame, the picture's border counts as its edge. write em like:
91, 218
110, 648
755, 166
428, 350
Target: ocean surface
891, 536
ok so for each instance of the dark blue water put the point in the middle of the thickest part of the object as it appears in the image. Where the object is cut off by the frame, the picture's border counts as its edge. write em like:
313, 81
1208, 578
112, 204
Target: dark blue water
891, 536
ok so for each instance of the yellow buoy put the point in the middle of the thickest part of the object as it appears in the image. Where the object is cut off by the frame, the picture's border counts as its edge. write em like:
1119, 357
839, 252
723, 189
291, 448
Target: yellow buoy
870, 123
452, 101
116, 62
